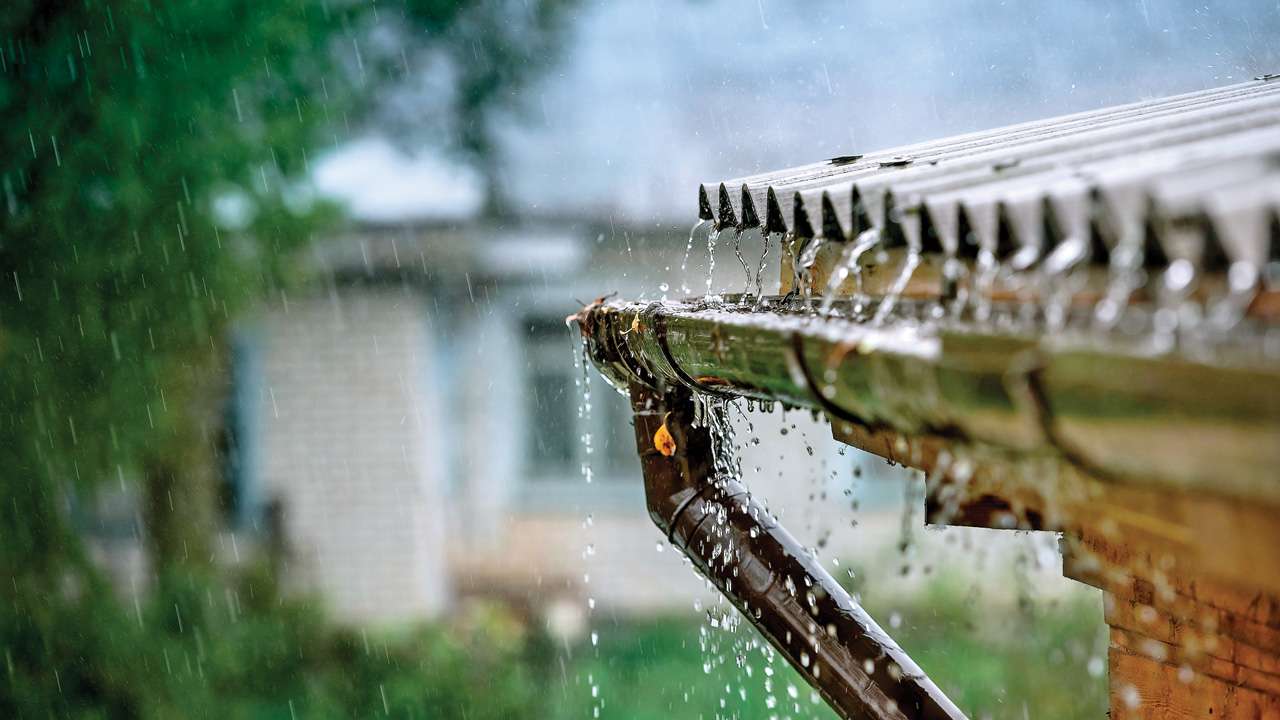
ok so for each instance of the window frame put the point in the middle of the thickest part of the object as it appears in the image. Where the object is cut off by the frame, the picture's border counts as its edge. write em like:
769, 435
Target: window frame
616, 479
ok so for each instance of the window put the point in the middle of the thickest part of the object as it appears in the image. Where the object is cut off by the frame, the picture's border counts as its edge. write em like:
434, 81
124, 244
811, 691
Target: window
237, 444
555, 448
550, 407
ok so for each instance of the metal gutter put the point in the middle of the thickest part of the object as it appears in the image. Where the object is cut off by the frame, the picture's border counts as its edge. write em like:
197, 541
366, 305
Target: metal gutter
1119, 412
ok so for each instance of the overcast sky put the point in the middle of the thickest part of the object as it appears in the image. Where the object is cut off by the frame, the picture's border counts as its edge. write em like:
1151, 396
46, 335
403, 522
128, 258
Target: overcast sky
651, 97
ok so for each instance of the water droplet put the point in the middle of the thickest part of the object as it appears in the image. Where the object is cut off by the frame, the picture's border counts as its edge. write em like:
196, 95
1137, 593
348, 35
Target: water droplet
1130, 696
1096, 666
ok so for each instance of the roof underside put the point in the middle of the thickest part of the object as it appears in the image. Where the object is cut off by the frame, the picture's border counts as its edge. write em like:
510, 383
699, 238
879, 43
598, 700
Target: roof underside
1198, 172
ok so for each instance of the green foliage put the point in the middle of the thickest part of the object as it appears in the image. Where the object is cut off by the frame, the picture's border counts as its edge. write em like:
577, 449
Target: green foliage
124, 124
244, 652
652, 670
127, 124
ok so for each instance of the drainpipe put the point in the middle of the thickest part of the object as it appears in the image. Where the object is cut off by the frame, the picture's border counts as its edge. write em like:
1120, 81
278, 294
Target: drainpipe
769, 576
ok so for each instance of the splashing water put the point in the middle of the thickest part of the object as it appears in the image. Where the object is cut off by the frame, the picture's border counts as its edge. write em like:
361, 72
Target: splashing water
760, 267
1063, 274
717, 620
732, 652
849, 264
890, 299
737, 250
1242, 285
688, 250
804, 268
1174, 312
1124, 275
711, 257
984, 279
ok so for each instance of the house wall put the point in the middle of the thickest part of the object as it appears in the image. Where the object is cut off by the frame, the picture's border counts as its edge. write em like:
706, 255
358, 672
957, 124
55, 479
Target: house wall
350, 433
486, 397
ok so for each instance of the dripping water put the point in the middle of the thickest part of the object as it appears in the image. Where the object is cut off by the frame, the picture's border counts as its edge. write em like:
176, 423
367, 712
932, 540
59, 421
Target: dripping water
984, 279
712, 237
718, 637
746, 269
804, 266
760, 268
1124, 275
849, 264
1175, 314
688, 249
909, 265
1059, 280
788, 249
732, 652
1243, 280
581, 363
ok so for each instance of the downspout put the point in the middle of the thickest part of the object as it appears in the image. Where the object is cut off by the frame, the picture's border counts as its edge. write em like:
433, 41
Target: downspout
781, 589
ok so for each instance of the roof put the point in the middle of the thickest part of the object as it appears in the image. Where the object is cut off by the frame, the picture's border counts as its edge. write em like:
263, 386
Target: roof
1208, 161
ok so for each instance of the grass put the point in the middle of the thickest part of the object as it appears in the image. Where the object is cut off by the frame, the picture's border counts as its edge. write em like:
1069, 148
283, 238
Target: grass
1019, 661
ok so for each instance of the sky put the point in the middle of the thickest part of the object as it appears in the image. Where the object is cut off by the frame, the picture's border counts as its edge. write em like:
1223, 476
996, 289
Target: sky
650, 98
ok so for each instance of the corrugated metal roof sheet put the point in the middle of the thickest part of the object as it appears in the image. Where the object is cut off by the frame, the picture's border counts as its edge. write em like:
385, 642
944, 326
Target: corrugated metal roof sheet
1198, 172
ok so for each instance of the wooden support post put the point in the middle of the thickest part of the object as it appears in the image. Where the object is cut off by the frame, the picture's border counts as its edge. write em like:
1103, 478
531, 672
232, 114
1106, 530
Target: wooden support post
1182, 645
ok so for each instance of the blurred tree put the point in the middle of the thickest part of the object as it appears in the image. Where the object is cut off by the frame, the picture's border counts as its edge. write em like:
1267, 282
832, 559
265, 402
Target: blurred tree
149, 166
490, 51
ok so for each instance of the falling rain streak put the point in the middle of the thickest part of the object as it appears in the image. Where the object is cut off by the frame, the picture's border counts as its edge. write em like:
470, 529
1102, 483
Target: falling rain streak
711, 258
582, 379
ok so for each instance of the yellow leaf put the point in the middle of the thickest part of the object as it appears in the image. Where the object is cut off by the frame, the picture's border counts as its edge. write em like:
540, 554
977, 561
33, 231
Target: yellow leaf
663, 441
